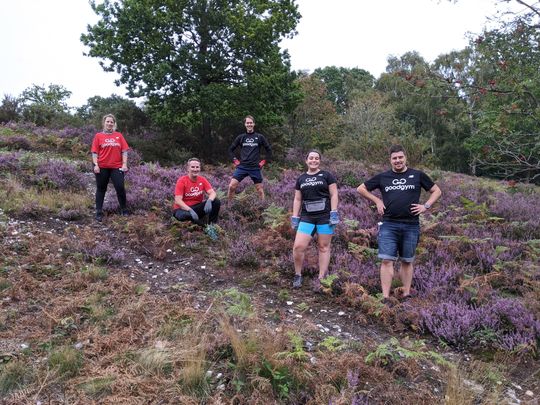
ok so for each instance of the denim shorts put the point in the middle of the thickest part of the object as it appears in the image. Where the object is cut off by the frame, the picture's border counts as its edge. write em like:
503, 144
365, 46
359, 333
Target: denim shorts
240, 173
398, 240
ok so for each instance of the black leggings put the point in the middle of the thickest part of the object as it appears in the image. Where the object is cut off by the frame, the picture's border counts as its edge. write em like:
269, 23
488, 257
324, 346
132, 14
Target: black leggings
183, 215
102, 180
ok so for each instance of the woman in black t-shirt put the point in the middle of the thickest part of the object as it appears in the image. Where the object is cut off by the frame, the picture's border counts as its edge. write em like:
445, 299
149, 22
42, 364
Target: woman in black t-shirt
314, 212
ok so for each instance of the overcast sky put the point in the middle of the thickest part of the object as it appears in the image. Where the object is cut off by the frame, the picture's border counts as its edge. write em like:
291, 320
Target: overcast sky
39, 39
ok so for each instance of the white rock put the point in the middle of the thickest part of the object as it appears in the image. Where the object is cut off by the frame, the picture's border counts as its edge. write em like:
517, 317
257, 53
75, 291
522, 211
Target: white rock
219, 375
289, 302
25, 346
203, 267
341, 313
169, 250
529, 393
324, 310
298, 316
313, 360
78, 345
291, 311
209, 373
221, 387
154, 276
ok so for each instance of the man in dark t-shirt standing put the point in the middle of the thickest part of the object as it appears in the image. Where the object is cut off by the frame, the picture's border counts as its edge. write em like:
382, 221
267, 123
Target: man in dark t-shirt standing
250, 162
399, 232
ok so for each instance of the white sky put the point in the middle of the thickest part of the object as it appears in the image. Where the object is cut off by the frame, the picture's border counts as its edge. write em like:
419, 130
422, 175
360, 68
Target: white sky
39, 39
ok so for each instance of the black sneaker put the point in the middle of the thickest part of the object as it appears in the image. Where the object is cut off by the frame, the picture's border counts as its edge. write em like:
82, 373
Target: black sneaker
99, 216
297, 282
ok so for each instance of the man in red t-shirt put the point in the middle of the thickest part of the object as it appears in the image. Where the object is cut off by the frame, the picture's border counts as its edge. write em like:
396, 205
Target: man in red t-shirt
189, 196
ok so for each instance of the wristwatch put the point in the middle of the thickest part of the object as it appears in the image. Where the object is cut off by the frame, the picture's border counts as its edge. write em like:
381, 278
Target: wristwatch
427, 206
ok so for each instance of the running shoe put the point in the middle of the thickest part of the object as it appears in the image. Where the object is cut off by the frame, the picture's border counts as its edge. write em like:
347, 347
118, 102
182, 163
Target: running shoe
99, 216
297, 282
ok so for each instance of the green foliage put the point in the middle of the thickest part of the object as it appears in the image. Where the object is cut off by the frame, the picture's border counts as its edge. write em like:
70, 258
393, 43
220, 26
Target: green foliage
238, 303
343, 84
314, 122
329, 280
129, 117
280, 378
10, 109
14, 375
97, 387
297, 351
67, 361
391, 352
274, 216
201, 65
95, 273
46, 106
332, 344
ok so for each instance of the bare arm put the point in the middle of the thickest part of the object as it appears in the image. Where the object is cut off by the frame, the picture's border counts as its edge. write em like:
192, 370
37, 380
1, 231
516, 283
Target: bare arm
297, 203
333, 196
212, 194
371, 197
180, 202
435, 192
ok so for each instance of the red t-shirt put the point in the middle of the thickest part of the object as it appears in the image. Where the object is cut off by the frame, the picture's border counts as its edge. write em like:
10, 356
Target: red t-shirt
109, 148
192, 192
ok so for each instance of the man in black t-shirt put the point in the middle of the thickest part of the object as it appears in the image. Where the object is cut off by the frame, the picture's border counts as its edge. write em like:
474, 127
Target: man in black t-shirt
250, 162
399, 232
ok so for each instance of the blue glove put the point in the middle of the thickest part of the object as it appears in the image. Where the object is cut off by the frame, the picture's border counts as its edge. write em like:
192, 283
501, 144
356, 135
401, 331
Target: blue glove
208, 207
193, 214
295, 221
334, 218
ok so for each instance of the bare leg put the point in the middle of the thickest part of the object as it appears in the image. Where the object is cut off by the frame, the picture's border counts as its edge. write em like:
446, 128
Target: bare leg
324, 242
260, 190
301, 243
406, 275
232, 189
387, 274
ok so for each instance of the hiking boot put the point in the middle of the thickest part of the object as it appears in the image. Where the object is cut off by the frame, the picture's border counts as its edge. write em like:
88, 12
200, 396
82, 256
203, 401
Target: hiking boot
297, 282
212, 232
124, 212
317, 287
99, 216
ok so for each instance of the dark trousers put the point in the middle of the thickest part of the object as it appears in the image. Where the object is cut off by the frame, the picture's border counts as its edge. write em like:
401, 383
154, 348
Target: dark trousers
102, 180
183, 215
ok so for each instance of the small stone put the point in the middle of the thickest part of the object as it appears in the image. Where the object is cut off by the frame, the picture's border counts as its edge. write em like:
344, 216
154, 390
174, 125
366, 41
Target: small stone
298, 316
341, 313
219, 375
154, 276
24, 346
291, 311
78, 345
169, 250
203, 267
529, 393
289, 302
313, 360
221, 387
209, 373
324, 310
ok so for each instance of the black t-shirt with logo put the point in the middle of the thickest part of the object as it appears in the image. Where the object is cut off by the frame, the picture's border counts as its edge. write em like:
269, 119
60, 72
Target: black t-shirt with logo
315, 187
399, 191
250, 148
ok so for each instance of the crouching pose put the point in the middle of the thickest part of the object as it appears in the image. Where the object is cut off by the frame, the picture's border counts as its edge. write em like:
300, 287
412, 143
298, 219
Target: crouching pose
189, 203
314, 212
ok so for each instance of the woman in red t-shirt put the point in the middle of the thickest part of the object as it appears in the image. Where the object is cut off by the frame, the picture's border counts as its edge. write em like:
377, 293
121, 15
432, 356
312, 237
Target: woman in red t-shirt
109, 155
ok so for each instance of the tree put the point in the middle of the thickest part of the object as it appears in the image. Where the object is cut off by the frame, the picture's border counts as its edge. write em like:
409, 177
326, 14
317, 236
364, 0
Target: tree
201, 64
10, 110
129, 116
342, 84
314, 121
45, 106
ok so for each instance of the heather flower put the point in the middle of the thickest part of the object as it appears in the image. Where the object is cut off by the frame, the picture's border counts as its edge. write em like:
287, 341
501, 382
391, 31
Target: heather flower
60, 175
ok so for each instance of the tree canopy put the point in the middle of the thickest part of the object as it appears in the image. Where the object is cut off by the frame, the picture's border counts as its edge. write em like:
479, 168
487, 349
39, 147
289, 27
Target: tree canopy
201, 64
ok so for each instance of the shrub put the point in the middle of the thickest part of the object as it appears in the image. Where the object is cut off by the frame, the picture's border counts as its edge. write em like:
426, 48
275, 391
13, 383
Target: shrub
67, 361
60, 175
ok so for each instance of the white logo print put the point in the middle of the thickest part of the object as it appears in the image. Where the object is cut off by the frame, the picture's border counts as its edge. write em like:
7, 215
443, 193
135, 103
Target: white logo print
400, 184
194, 192
411, 176
311, 182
